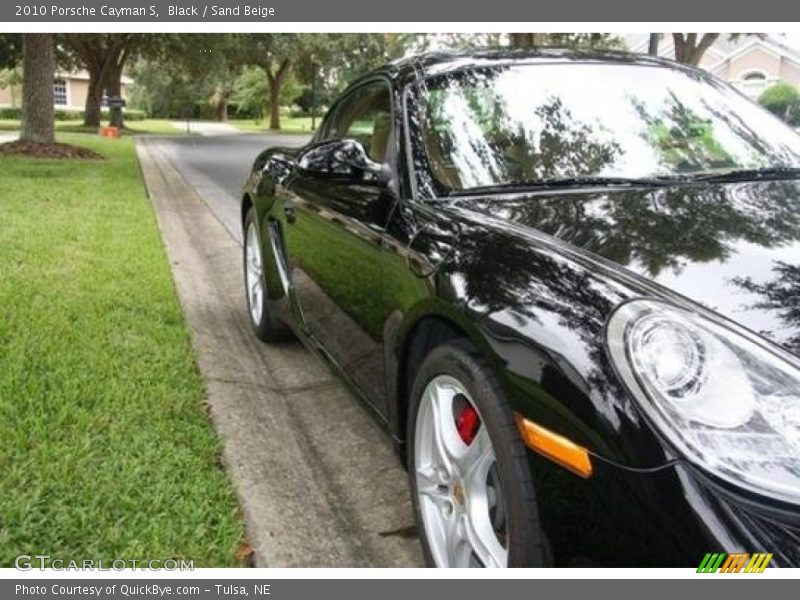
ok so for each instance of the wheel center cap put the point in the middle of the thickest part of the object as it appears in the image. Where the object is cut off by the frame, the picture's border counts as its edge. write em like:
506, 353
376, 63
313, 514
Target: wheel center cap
458, 493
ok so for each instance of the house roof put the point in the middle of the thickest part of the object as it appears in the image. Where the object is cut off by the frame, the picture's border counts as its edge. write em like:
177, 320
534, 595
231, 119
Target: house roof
723, 48
769, 43
83, 75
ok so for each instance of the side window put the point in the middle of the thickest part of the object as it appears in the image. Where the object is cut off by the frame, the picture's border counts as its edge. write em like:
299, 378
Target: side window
366, 116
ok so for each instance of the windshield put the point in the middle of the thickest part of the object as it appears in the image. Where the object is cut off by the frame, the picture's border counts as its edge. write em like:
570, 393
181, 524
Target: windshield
512, 124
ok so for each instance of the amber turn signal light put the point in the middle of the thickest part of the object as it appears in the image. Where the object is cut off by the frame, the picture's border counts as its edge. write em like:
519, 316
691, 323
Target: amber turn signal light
557, 448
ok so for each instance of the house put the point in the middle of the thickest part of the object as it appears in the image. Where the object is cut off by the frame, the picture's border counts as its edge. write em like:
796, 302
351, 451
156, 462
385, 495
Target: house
69, 91
750, 63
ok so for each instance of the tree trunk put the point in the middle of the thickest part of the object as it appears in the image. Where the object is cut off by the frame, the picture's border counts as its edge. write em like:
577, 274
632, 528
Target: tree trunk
274, 104
222, 109
219, 100
275, 83
114, 81
94, 99
520, 40
688, 50
528, 40
38, 66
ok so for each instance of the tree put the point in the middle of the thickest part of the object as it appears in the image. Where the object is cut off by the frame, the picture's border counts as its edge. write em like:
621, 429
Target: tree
38, 65
214, 62
336, 59
280, 54
780, 296
10, 69
183, 74
10, 50
11, 79
251, 91
104, 56
275, 53
189, 69
218, 69
344, 57
164, 92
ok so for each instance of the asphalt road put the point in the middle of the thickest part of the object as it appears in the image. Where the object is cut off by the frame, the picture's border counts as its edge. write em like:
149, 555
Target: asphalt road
317, 480
217, 167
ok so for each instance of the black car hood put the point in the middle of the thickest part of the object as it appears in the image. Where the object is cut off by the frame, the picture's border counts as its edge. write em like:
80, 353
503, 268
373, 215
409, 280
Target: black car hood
734, 248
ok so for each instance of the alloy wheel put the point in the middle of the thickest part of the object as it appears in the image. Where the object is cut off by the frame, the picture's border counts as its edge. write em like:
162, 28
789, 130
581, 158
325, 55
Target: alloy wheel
458, 488
254, 274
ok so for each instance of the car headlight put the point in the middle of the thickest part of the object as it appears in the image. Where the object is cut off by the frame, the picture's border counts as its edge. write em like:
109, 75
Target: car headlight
730, 404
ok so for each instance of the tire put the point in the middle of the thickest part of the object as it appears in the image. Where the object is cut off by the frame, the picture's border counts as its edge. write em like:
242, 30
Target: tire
453, 508
266, 327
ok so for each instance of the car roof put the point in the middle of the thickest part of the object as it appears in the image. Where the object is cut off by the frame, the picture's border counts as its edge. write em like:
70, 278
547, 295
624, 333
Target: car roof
414, 67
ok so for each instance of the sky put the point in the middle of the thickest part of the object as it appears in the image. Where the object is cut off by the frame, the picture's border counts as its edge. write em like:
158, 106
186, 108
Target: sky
793, 40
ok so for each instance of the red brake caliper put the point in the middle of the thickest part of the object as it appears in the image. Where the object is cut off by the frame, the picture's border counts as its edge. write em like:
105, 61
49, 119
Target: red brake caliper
467, 423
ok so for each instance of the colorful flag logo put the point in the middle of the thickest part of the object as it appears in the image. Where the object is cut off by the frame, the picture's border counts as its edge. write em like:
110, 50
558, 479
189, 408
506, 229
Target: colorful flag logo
743, 562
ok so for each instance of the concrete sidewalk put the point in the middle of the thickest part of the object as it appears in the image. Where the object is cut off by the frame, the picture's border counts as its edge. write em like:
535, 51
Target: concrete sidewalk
316, 478
205, 127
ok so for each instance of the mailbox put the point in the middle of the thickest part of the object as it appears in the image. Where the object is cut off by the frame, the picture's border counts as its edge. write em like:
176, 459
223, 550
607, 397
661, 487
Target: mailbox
115, 105
116, 102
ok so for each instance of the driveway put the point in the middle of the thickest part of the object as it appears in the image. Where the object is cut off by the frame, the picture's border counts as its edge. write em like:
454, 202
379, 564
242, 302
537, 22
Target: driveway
317, 480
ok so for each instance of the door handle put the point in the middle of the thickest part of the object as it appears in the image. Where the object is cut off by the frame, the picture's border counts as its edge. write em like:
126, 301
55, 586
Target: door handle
290, 212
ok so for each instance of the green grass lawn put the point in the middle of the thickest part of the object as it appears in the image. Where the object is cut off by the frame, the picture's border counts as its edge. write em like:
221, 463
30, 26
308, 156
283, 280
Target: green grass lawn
146, 126
106, 450
288, 124
165, 126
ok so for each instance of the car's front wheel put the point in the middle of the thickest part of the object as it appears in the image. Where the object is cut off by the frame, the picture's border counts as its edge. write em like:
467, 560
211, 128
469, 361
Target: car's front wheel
470, 481
266, 327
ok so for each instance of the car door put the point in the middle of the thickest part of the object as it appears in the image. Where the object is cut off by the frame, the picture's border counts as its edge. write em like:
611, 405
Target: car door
333, 234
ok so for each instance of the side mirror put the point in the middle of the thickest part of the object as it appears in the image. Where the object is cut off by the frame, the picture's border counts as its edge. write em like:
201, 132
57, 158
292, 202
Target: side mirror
278, 166
343, 159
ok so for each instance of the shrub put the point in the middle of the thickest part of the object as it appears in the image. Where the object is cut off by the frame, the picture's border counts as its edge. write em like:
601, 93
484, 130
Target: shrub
299, 111
66, 114
782, 100
8, 112
133, 114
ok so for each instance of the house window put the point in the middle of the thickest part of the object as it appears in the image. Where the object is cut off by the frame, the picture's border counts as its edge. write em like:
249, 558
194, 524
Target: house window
752, 83
754, 76
60, 92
